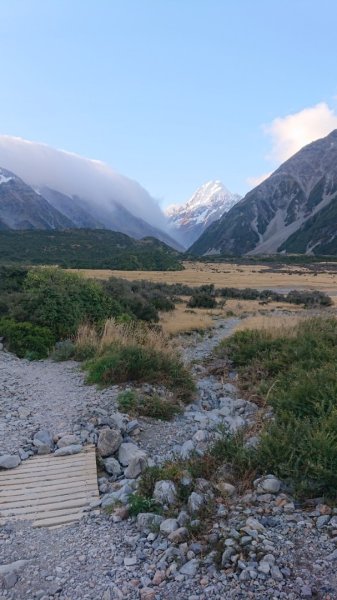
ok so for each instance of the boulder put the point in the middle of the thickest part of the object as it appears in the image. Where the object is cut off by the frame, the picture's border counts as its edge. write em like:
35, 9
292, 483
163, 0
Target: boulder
195, 502
269, 484
43, 437
148, 521
109, 440
187, 449
9, 461
112, 466
190, 568
168, 526
165, 492
67, 440
67, 450
136, 465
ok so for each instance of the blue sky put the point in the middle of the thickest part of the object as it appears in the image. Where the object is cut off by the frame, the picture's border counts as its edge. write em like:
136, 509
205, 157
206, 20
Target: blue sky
171, 93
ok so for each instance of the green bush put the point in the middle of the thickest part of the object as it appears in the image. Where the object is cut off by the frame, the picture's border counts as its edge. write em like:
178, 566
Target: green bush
147, 406
64, 350
140, 504
203, 297
121, 364
27, 340
297, 375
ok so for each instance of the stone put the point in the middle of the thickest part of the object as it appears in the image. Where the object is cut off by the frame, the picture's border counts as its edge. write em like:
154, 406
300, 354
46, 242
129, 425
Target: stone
148, 521
195, 502
187, 449
43, 437
168, 526
306, 591
254, 524
43, 449
147, 594
112, 466
13, 567
130, 561
136, 465
190, 568
276, 573
67, 440
200, 436
322, 521
226, 488
109, 441
67, 450
165, 492
269, 484
9, 461
179, 535
264, 567
129, 451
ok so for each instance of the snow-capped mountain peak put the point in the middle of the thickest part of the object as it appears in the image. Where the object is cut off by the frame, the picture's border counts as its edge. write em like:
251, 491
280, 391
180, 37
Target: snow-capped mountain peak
208, 203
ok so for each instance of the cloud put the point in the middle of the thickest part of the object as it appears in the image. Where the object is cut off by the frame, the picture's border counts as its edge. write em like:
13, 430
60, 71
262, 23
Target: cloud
41, 165
289, 134
254, 181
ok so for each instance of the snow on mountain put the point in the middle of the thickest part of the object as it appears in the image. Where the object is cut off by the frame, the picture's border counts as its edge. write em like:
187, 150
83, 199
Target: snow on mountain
207, 204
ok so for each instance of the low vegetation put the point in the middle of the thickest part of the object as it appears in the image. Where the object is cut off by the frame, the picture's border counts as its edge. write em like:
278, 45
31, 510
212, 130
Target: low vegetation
87, 249
203, 297
294, 371
155, 406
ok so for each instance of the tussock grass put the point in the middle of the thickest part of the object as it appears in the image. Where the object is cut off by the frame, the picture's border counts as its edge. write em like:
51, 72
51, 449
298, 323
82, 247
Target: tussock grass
274, 327
134, 352
153, 406
295, 371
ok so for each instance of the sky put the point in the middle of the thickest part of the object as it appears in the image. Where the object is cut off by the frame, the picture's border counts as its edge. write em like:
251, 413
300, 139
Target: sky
171, 93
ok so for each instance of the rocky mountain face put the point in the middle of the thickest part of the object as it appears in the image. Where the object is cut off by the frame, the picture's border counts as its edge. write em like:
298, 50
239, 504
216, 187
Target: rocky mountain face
294, 210
23, 208
207, 204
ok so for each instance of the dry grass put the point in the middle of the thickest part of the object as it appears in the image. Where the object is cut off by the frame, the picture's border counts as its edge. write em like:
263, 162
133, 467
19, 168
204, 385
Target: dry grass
229, 275
123, 334
285, 326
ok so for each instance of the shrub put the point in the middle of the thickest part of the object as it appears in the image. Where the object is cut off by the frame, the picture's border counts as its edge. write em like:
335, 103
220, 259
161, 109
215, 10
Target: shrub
121, 364
203, 297
140, 504
27, 340
147, 406
64, 350
297, 374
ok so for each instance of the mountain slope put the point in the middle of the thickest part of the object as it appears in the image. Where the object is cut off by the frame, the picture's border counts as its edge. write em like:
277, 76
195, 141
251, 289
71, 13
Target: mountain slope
23, 208
269, 214
88, 191
207, 204
87, 248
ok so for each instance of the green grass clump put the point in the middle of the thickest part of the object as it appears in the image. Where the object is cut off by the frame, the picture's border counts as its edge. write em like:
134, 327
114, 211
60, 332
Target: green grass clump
147, 406
296, 372
140, 504
121, 364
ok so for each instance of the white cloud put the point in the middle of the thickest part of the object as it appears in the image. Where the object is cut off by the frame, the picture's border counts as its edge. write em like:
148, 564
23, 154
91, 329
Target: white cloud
254, 181
41, 165
289, 134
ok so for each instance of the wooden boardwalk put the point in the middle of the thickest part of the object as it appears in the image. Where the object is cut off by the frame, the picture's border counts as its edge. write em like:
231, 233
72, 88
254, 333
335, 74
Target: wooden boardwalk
49, 490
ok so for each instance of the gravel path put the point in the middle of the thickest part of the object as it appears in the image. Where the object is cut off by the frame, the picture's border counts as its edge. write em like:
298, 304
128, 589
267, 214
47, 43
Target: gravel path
106, 558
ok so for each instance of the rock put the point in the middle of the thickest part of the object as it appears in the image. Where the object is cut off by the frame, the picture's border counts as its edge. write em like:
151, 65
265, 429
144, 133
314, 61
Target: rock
264, 567
322, 521
130, 561
43, 437
179, 535
148, 521
268, 484
187, 449
200, 436
13, 567
168, 525
129, 451
165, 492
43, 449
276, 573
254, 524
109, 440
73, 449
195, 502
226, 488
190, 568
136, 465
147, 594
112, 466
67, 440
9, 461
306, 591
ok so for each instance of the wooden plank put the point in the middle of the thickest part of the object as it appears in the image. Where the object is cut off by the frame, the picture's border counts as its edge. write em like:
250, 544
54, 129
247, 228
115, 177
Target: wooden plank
50, 491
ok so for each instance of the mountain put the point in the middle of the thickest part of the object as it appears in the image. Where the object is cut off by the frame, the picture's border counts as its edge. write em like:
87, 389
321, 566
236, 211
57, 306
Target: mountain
207, 204
87, 249
294, 210
87, 192
23, 208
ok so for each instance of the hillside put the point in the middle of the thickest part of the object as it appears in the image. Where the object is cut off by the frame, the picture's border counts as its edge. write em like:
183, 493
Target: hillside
81, 248
276, 212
